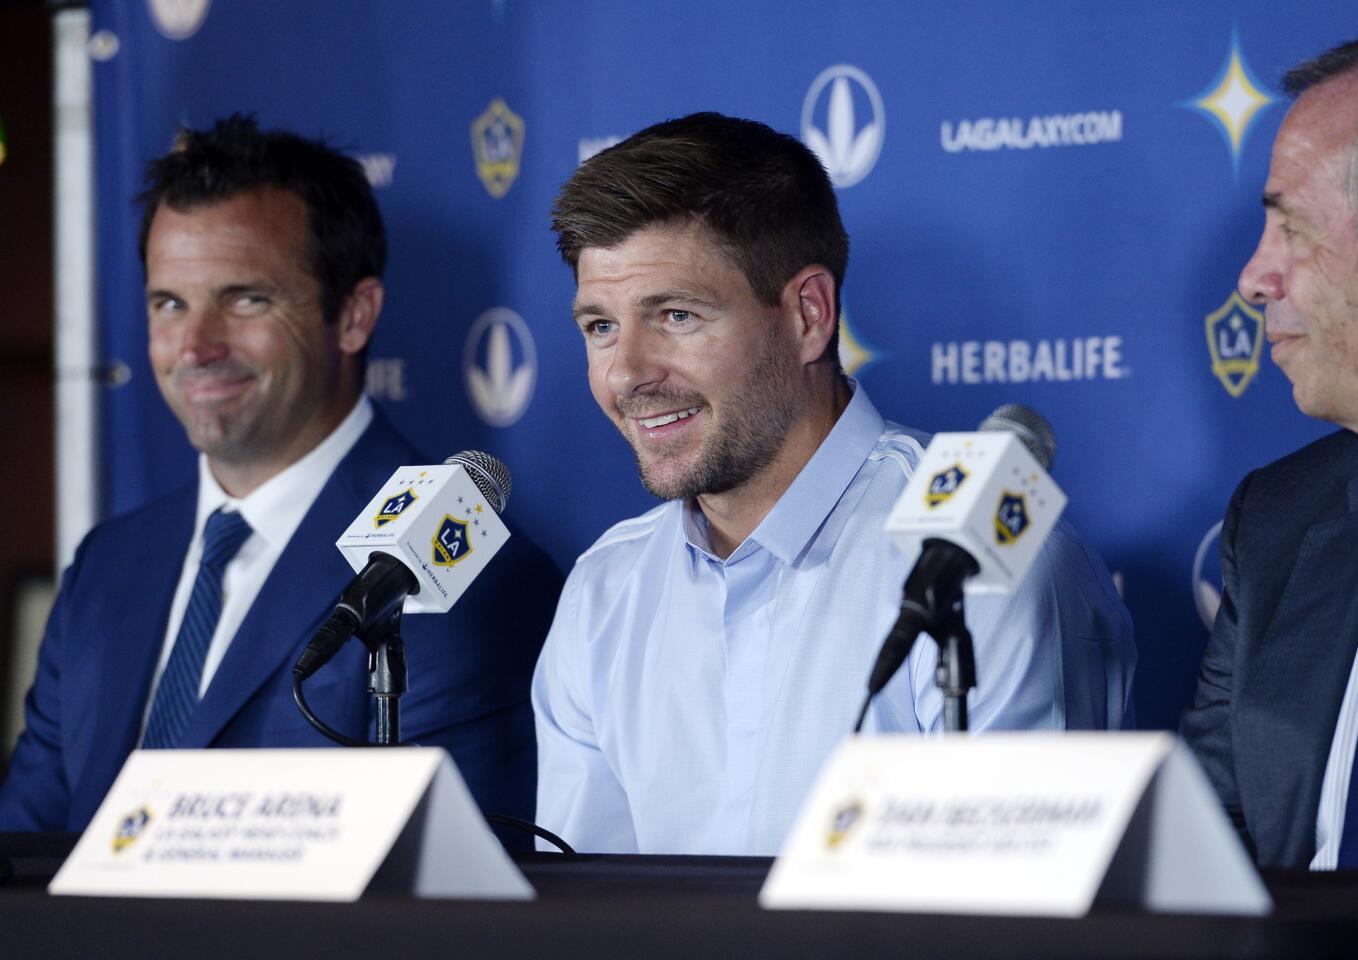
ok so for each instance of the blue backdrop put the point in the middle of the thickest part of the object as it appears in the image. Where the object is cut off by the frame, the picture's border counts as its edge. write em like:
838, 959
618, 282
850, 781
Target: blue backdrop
1049, 203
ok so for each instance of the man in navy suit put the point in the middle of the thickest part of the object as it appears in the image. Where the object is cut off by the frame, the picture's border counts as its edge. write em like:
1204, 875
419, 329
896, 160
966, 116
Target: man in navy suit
1275, 719
178, 624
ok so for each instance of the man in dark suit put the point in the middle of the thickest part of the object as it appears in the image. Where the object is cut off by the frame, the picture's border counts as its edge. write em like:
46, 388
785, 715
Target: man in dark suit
1275, 719
178, 624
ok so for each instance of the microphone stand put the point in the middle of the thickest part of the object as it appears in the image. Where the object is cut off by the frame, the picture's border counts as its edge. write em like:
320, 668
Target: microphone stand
955, 674
932, 604
387, 675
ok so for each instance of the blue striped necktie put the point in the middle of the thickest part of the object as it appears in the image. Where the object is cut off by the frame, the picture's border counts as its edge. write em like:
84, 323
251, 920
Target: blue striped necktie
177, 695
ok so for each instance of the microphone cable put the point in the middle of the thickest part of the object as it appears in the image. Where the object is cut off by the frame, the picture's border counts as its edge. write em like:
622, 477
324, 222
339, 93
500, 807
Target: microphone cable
503, 819
914, 619
507, 821
327, 731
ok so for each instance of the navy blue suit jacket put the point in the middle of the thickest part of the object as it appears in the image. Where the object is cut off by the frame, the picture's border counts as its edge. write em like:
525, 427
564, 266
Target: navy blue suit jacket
1275, 671
469, 669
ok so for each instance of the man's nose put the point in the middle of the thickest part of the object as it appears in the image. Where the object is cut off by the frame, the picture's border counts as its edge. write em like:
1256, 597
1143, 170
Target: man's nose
1261, 280
202, 336
636, 362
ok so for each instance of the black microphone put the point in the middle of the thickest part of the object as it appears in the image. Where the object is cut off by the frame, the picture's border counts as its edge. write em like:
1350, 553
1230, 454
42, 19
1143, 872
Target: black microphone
383, 585
933, 591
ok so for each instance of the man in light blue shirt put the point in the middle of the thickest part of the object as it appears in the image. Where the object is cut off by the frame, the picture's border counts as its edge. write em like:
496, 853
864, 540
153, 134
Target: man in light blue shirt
707, 656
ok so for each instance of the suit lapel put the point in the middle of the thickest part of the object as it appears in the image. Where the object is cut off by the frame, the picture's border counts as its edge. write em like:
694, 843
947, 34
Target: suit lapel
120, 671
297, 596
1299, 671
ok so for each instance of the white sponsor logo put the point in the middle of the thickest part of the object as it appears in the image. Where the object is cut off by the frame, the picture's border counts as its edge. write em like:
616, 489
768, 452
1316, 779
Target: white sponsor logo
1023, 361
1206, 593
499, 389
846, 150
379, 168
178, 19
1015, 133
589, 146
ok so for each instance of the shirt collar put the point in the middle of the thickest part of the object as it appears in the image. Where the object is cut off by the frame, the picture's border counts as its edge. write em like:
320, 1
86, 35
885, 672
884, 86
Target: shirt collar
808, 501
275, 509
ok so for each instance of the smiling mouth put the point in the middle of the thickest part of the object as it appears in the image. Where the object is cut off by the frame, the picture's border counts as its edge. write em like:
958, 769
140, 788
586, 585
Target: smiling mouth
211, 389
664, 419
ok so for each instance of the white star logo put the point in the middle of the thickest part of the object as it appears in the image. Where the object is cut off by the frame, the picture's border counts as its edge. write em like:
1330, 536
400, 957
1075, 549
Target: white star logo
854, 353
1233, 101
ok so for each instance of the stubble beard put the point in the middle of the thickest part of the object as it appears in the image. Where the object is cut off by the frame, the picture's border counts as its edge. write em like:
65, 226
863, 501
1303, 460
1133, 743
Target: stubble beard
757, 418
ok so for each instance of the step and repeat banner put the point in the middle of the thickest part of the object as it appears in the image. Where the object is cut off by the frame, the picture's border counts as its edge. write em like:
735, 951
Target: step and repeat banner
1048, 203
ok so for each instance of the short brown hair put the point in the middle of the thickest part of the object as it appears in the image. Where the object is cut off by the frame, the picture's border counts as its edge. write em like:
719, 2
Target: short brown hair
763, 193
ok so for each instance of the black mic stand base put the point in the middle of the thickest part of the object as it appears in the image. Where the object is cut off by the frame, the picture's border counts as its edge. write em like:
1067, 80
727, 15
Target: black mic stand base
387, 677
955, 674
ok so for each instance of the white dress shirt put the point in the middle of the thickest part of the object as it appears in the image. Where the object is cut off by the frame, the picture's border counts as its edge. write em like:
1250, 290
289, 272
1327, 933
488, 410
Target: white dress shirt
1334, 789
274, 510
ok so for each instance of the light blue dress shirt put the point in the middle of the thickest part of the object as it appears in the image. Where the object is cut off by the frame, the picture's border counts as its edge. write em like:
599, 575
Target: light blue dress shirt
685, 704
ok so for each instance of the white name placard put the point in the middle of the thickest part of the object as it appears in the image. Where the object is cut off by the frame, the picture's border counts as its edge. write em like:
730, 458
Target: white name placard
1024, 824
289, 825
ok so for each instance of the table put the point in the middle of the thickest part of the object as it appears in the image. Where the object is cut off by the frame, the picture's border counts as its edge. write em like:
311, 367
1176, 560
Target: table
598, 906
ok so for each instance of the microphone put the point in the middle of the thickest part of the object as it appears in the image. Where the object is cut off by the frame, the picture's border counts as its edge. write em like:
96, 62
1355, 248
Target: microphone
975, 513
419, 543
1032, 429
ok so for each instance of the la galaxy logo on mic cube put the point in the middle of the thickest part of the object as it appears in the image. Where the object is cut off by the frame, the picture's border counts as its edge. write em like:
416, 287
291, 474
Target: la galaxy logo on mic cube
986, 493
434, 520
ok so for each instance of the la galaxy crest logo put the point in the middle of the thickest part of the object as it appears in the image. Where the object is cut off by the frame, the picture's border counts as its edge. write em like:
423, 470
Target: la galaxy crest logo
1235, 337
394, 507
847, 150
845, 819
497, 146
1011, 519
944, 484
1233, 101
131, 827
453, 542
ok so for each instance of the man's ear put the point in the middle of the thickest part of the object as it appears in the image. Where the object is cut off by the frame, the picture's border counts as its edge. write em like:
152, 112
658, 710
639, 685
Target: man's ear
358, 316
810, 298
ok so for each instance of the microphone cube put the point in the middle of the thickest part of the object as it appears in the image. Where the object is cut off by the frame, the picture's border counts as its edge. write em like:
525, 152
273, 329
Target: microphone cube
986, 493
434, 520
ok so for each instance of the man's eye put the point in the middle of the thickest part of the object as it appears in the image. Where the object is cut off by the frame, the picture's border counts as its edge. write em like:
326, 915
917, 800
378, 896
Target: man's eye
599, 329
680, 316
